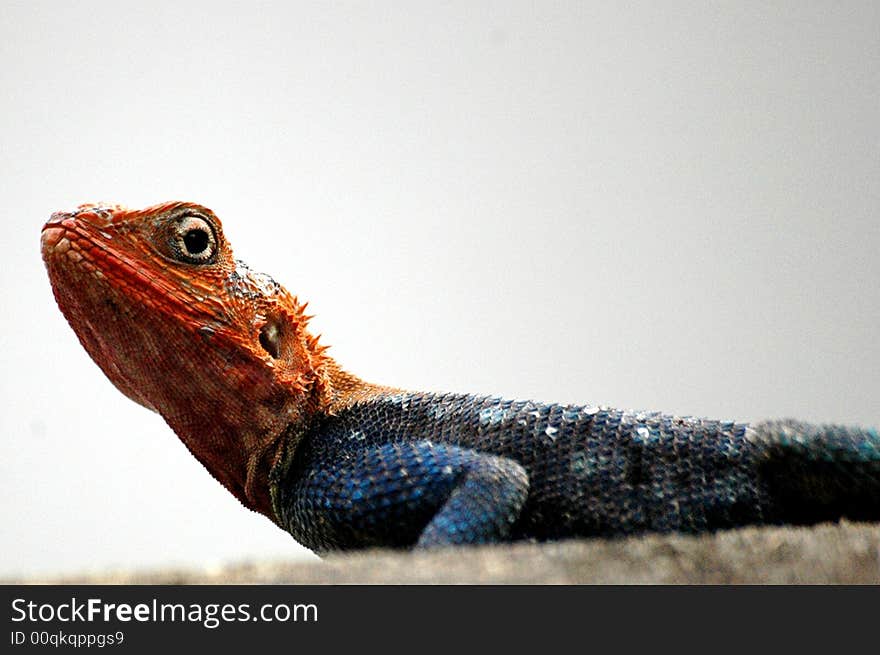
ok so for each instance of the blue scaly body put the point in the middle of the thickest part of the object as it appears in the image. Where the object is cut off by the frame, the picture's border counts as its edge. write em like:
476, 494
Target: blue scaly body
418, 469
224, 355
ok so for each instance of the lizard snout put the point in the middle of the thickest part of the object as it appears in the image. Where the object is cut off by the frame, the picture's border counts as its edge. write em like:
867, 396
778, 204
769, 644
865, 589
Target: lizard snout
55, 230
63, 226
95, 215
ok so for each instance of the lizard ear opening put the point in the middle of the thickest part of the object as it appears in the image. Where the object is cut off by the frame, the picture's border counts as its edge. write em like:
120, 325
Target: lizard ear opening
283, 340
271, 337
280, 339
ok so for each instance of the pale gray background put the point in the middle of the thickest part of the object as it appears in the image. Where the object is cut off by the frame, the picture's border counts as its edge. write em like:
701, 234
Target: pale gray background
658, 205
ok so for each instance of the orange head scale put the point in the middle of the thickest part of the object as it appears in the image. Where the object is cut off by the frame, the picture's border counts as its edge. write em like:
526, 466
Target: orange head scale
181, 327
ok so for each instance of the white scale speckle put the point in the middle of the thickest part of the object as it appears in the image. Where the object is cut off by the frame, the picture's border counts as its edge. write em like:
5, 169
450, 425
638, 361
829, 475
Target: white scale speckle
551, 432
401, 399
493, 415
263, 283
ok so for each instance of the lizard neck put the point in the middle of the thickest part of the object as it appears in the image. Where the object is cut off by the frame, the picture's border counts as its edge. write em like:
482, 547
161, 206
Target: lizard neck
336, 391
345, 389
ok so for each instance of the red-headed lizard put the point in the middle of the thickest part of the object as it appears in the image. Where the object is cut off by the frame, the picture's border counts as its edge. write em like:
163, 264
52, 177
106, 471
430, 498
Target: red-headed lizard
225, 356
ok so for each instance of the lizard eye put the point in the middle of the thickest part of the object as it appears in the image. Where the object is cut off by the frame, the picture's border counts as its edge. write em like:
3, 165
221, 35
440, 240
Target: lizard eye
194, 240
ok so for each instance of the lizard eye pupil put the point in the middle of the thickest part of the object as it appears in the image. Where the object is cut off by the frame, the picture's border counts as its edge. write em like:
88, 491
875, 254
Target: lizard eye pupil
196, 241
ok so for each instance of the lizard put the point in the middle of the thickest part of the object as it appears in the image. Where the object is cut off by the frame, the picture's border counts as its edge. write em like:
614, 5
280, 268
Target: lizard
224, 354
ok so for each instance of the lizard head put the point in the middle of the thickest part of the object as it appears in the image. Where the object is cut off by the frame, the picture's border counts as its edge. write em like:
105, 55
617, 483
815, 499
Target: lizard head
181, 327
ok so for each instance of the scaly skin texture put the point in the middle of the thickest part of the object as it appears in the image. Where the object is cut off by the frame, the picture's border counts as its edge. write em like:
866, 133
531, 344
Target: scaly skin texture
224, 355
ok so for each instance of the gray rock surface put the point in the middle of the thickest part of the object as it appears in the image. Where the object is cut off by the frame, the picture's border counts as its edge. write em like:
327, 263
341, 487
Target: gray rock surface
838, 553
